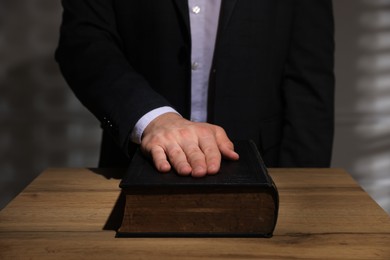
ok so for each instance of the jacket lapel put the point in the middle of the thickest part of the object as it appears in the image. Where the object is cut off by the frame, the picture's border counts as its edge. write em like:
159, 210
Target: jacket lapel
182, 8
227, 7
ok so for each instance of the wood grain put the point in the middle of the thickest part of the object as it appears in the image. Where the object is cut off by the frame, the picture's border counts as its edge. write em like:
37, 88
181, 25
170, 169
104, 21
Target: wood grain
103, 245
324, 214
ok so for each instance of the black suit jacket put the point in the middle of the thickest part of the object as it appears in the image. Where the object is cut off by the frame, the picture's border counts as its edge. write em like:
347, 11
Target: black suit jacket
271, 80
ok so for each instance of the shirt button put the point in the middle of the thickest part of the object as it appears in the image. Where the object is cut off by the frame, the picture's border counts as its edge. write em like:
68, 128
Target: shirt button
196, 9
194, 66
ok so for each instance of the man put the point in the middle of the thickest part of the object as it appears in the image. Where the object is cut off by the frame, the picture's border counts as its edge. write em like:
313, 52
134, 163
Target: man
269, 79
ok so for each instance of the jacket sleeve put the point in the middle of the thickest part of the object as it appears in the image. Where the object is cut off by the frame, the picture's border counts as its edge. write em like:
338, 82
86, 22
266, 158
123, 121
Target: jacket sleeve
308, 87
92, 60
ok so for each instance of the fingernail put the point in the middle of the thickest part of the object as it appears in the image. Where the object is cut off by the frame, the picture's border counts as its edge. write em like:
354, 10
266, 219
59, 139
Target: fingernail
199, 170
213, 168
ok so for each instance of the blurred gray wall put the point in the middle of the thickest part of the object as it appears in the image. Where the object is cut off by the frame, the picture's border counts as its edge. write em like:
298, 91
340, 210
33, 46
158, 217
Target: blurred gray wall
362, 141
42, 124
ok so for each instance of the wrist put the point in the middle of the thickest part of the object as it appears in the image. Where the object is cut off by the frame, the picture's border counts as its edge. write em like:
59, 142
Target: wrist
166, 119
145, 120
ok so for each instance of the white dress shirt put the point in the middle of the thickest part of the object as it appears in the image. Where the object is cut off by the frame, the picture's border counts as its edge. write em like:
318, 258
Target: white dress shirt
204, 17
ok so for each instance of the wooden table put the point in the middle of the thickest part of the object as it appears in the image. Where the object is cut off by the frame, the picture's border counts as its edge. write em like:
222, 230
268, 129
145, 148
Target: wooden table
68, 214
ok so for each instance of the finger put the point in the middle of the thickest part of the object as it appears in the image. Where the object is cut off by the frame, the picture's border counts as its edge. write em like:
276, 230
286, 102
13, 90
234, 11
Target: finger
225, 145
212, 154
196, 159
178, 159
227, 151
160, 159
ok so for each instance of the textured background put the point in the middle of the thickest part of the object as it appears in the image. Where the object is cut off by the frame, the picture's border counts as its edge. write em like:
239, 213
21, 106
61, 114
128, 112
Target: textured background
43, 125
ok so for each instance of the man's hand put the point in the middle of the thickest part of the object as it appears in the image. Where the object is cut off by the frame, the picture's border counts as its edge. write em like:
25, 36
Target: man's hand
190, 148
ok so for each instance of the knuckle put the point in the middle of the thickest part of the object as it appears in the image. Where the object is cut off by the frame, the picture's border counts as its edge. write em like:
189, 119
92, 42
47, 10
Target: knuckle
197, 161
212, 149
156, 150
221, 132
174, 153
227, 142
213, 156
150, 147
168, 136
185, 133
204, 131
192, 151
150, 140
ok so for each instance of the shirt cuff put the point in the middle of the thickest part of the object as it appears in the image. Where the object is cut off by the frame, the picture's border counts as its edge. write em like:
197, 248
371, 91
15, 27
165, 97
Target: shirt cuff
144, 121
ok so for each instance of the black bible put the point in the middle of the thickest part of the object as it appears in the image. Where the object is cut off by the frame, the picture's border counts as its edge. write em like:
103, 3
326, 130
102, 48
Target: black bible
239, 201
